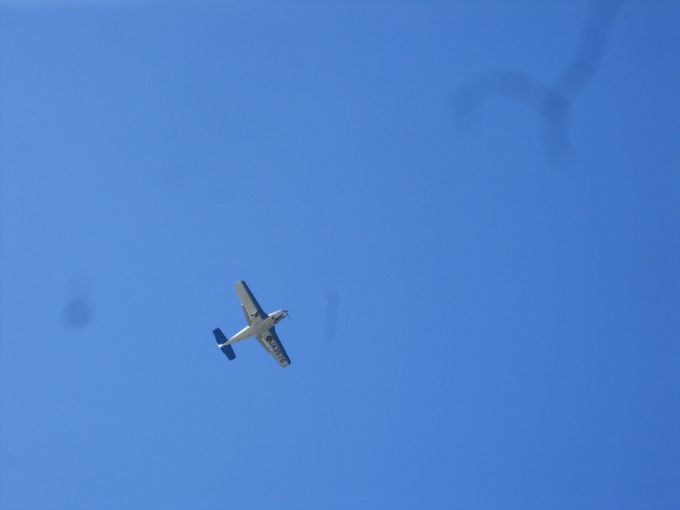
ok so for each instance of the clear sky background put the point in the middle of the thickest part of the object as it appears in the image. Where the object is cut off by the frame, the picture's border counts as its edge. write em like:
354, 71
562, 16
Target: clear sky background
471, 210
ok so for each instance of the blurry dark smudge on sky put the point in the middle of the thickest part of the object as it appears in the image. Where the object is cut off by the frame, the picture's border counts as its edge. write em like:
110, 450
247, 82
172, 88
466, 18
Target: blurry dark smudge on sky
78, 311
552, 101
331, 319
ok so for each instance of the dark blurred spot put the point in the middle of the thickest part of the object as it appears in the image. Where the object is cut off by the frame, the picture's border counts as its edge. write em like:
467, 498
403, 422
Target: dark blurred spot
555, 108
331, 321
515, 85
78, 313
585, 62
552, 101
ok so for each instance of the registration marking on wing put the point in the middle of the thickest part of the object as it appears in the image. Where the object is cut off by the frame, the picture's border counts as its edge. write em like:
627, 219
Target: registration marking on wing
276, 349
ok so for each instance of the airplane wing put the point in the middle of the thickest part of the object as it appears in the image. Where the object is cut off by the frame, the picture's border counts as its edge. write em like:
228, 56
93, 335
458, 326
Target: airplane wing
251, 308
270, 341
249, 320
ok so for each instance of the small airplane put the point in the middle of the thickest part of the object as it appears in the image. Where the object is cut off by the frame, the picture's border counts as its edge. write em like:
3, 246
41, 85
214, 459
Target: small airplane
260, 325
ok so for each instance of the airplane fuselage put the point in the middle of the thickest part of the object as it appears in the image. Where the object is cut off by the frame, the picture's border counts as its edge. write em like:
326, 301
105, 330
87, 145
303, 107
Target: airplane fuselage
254, 330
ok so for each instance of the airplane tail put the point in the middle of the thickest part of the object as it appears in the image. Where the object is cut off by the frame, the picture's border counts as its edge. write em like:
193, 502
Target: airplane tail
228, 350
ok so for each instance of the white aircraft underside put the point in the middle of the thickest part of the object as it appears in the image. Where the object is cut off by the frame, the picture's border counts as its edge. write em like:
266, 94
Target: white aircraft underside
260, 325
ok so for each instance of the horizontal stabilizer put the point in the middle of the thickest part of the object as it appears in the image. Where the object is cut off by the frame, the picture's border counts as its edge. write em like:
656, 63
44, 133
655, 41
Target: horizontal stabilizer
219, 336
228, 350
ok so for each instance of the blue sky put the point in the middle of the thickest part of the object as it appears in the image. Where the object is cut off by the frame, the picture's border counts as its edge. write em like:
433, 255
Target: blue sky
484, 290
